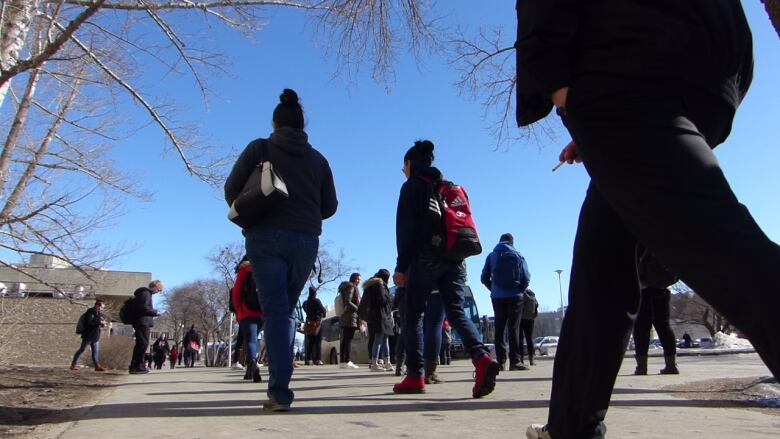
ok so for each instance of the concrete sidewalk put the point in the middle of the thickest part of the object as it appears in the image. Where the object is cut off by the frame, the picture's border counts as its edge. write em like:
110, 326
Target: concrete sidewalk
339, 403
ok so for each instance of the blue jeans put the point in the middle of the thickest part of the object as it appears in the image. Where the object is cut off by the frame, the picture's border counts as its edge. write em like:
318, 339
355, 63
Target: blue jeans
249, 328
281, 263
432, 322
94, 346
381, 348
450, 279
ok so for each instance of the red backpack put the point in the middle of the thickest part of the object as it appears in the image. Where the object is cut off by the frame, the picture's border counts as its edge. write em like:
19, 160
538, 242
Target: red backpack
454, 235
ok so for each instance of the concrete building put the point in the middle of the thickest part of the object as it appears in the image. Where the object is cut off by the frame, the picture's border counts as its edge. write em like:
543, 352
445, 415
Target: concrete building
37, 322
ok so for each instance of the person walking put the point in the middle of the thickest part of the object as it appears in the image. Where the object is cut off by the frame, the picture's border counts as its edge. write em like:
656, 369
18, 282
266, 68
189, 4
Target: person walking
506, 275
191, 346
174, 356
646, 90
433, 320
160, 350
315, 312
654, 305
249, 314
92, 321
530, 312
348, 323
282, 246
380, 319
144, 321
421, 269
445, 357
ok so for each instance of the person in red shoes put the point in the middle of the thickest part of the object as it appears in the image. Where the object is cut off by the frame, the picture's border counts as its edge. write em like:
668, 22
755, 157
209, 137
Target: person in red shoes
421, 269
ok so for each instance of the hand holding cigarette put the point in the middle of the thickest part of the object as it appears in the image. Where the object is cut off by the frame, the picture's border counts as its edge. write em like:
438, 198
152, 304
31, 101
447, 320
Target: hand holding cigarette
569, 155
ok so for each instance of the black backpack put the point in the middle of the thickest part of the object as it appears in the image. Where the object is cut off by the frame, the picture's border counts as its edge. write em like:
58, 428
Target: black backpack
81, 323
249, 294
127, 313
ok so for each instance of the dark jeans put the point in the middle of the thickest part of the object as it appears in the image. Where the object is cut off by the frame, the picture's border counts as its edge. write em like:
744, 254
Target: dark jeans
371, 335
282, 261
450, 279
654, 311
190, 355
527, 332
654, 179
507, 313
249, 328
141, 345
433, 319
94, 347
445, 357
314, 347
345, 343
400, 352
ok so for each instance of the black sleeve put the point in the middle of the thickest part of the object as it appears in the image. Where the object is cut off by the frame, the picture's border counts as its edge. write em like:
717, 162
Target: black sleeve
92, 319
546, 43
240, 173
146, 304
328, 200
409, 222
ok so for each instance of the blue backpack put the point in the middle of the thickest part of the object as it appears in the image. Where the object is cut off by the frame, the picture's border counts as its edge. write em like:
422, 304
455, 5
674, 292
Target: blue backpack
510, 272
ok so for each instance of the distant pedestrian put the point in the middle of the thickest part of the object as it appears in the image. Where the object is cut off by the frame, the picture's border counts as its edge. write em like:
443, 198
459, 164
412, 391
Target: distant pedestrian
144, 321
349, 324
174, 356
315, 312
530, 312
446, 343
92, 322
398, 315
249, 314
506, 275
379, 319
160, 350
282, 245
421, 268
191, 347
654, 310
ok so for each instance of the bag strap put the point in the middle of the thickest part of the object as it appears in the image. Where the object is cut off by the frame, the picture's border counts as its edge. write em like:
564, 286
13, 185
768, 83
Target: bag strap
263, 152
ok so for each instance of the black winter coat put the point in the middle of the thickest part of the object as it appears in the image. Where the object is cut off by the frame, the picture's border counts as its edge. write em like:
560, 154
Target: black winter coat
413, 228
704, 44
144, 309
314, 309
92, 322
381, 305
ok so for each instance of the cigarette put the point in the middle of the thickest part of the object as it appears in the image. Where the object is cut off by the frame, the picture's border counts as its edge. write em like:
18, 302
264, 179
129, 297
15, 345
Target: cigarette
558, 166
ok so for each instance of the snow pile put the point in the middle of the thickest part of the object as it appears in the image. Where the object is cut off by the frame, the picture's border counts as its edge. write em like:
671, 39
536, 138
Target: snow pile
726, 341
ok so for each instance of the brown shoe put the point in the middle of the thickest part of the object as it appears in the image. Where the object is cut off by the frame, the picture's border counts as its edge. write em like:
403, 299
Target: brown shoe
99, 369
74, 366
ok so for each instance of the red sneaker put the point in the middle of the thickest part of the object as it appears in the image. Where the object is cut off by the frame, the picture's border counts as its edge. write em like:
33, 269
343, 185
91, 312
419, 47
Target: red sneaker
485, 377
410, 384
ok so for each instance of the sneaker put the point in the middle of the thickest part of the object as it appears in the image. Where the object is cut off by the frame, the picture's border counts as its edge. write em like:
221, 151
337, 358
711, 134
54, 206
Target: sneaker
485, 376
389, 368
343, 366
318, 363
74, 366
98, 368
410, 384
672, 370
138, 371
537, 431
272, 406
237, 366
519, 366
376, 368
351, 365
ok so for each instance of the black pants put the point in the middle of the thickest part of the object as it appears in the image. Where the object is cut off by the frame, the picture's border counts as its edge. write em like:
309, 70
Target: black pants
314, 347
527, 332
507, 316
345, 344
445, 356
371, 335
141, 345
646, 147
654, 311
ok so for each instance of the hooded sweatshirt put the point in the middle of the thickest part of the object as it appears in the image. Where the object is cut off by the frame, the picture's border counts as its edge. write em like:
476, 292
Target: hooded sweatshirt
304, 170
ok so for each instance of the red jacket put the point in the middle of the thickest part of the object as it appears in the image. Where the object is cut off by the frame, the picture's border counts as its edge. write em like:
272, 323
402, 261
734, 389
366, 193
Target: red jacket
242, 311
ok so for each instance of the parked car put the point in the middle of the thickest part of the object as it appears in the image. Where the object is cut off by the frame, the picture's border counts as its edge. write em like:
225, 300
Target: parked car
545, 345
331, 332
706, 342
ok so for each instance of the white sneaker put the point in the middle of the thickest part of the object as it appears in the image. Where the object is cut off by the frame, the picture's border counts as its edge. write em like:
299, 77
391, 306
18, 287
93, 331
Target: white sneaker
237, 366
351, 365
389, 368
376, 368
343, 366
537, 431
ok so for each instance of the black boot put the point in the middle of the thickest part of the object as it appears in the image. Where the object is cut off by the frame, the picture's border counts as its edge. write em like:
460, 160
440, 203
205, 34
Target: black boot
431, 377
671, 365
641, 365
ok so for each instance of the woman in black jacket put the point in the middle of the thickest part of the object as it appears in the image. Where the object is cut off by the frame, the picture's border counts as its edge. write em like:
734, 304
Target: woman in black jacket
315, 312
646, 89
380, 319
90, 335
282, 244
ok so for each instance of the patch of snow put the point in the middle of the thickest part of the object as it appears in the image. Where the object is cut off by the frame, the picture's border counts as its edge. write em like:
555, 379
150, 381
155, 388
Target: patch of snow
721, 341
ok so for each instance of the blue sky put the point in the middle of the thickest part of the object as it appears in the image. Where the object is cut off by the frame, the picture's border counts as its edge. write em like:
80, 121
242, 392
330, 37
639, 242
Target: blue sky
364, 131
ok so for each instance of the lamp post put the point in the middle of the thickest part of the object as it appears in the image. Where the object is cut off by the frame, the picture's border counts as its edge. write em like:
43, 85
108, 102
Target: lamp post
560, 290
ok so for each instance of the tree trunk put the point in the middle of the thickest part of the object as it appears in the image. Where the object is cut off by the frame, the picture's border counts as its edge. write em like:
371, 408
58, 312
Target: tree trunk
14, 25
773, 9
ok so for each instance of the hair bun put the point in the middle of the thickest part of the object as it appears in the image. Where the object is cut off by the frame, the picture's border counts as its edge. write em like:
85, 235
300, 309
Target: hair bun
424, 146
288, 97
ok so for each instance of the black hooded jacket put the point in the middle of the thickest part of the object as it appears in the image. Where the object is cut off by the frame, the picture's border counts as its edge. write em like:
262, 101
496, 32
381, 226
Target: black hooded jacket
144, 309
703, 44
412, 224
304, 170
